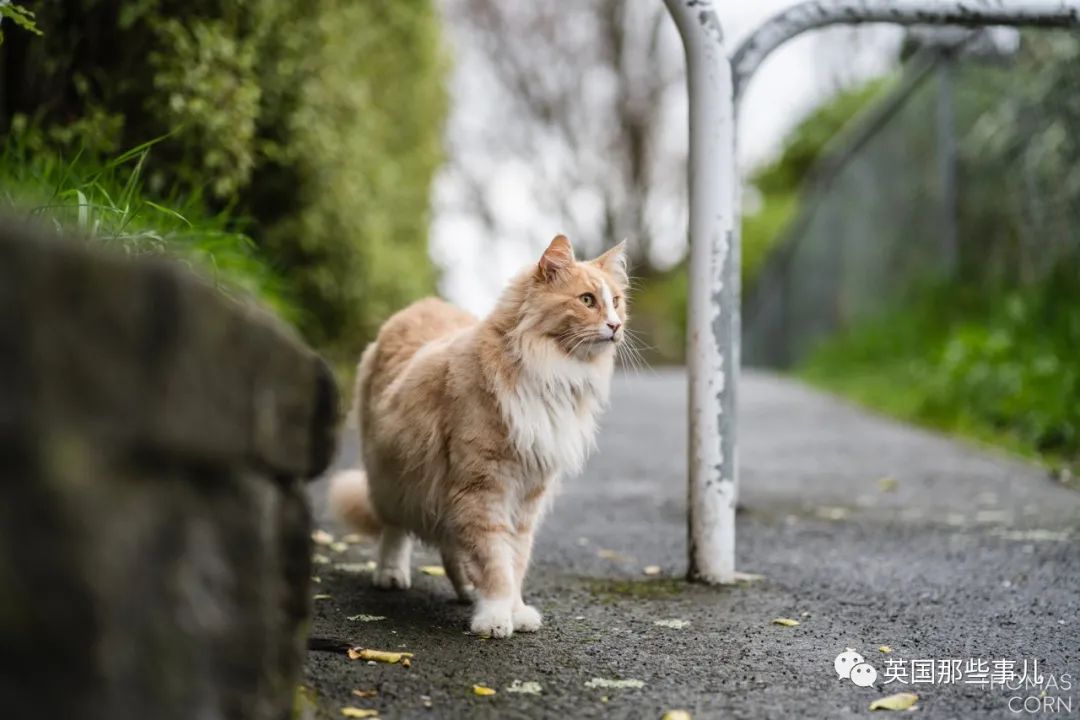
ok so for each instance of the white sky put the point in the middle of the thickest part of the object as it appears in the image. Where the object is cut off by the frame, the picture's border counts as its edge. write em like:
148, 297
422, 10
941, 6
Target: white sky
791, 82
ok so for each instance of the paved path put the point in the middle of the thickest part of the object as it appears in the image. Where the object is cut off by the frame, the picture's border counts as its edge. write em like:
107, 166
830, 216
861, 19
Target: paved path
961, 553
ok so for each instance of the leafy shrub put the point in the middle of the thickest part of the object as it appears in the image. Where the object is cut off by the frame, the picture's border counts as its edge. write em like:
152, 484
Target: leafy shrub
319, 122
106, 201
995, 363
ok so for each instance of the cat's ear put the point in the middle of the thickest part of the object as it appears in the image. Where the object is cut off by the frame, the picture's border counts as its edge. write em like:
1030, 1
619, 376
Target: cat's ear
558, 257
614, 262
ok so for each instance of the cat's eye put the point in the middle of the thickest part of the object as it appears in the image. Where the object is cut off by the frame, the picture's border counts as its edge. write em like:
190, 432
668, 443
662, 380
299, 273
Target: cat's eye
615, 301
589, 299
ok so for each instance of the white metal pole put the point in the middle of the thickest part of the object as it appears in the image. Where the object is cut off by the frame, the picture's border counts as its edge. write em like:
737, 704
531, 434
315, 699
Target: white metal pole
713, 337
812, 14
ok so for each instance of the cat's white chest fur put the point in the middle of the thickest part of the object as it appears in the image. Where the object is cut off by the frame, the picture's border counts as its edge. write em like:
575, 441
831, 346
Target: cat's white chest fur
551, 413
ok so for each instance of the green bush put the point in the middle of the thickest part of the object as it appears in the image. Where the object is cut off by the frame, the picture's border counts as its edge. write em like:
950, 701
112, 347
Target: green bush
318, 122
995, 363
106, 202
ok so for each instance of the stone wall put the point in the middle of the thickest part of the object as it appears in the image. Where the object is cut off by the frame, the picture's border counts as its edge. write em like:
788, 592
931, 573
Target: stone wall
154, 435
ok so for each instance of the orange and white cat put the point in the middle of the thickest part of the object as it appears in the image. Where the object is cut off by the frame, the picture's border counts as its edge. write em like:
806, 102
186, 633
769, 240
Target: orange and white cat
466, 426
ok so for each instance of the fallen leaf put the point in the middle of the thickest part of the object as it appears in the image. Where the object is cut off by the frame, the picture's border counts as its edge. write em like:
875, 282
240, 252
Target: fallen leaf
338, 547
885, 649
651, 570
899, 701
614, 684
406, 663
322, 596
745, 577
786, 622
887, 484
353, 538
832, 513
365, 618
527, 688
676, 715
607, 554
672, 623
321, 537
386, 656
364, 567
482, 691
320, 559
365, 693
355, 712
436, 570
316, 579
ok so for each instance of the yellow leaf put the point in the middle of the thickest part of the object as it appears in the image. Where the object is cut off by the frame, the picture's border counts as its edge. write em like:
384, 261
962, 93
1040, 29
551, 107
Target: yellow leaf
352, 538
365, 693
885, 649
321, 537
899, 701
338, 547
406, 662
786, 622
436, 570
386, 656
652, 570
355, 712
320, 559
322, 596
676, 715
887, 484
482, 691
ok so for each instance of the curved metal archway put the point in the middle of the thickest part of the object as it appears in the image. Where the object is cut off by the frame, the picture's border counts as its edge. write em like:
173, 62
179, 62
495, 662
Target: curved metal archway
715, 83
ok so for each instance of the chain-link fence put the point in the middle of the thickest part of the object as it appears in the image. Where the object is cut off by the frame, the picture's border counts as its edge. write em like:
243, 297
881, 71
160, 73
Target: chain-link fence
968, 170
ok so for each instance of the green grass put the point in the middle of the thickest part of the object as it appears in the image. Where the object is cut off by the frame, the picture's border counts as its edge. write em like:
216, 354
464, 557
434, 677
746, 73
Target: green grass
996, 366
107, 201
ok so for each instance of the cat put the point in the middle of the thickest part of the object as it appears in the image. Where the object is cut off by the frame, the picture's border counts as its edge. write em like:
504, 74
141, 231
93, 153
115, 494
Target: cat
466, 426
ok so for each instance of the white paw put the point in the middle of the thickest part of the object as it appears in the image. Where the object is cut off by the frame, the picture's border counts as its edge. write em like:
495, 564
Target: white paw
527, 618
391, 578
493, 619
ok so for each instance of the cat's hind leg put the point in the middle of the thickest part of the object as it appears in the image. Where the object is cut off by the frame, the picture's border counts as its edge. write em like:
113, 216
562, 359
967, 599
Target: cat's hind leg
395, 550
454, 565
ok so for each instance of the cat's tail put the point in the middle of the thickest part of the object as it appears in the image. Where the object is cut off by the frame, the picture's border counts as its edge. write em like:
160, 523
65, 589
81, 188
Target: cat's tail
350, 500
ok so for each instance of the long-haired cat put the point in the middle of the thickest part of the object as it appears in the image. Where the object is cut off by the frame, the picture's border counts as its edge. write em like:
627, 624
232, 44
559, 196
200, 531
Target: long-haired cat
466, 426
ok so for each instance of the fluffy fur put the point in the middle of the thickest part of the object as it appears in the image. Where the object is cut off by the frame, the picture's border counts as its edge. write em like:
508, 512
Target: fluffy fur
466, 426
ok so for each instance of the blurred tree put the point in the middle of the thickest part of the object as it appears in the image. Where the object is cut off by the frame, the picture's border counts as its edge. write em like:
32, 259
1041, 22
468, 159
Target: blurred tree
584, 93
319, 122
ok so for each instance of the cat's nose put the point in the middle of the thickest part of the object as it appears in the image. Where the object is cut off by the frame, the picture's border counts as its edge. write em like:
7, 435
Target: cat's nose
614, 327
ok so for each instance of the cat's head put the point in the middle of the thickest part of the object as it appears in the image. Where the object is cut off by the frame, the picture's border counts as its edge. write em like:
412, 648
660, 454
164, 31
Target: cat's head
579, 306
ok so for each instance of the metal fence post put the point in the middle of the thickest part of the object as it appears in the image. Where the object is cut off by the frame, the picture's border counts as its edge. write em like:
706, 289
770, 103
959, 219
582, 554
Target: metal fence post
947, 163
713, 337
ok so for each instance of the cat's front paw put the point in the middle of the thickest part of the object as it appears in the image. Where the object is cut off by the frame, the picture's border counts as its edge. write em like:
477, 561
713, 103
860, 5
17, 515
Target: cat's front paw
527, 619
493, 619
392, 578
